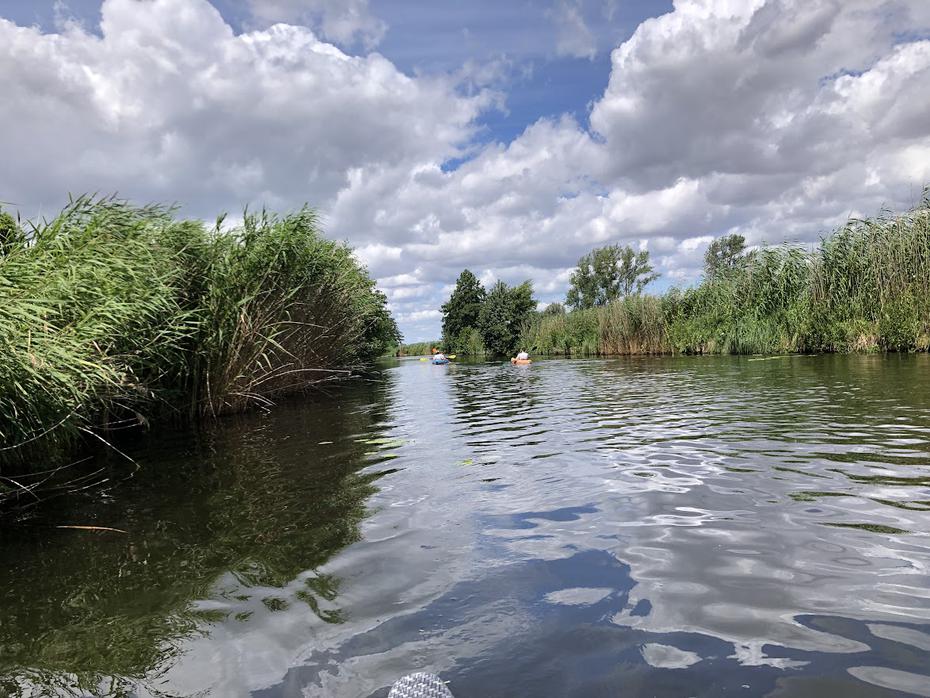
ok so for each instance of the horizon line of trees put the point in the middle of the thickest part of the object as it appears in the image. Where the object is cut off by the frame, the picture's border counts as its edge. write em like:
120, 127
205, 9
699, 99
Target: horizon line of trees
476, 321
864, 288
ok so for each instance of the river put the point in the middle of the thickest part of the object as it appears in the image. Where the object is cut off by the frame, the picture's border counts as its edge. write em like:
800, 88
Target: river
678, 526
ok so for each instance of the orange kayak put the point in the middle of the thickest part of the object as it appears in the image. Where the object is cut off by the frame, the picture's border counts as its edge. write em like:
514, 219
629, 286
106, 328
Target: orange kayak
521, 362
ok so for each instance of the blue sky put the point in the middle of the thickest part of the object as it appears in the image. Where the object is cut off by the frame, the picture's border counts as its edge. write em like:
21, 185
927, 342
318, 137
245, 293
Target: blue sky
506, 137
442, 36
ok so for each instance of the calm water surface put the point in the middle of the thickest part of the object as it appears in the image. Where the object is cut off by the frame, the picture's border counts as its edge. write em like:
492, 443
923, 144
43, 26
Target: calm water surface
631, 527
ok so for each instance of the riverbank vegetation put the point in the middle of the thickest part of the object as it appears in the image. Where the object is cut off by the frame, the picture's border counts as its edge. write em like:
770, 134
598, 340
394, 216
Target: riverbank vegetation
865, 287
417, 348
113, 314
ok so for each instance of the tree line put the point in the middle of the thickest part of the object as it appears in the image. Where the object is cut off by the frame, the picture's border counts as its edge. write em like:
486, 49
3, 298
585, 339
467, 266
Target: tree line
476, 321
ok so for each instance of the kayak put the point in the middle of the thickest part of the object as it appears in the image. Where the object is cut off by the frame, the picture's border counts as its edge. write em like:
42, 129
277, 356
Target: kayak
439, 362
521, 362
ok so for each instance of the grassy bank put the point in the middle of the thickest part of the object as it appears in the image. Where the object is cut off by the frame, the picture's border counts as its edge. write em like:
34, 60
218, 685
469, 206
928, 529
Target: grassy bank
113, 314
866, 287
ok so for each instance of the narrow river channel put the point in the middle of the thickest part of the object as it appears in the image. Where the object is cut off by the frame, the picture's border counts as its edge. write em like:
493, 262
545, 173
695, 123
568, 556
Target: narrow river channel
686, 526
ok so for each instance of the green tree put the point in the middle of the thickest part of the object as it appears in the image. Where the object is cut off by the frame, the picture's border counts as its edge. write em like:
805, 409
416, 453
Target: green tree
460, 312
724, 254
471, 343
608, 273
522, 301
381, 332
554, 309
503, 313
11, 235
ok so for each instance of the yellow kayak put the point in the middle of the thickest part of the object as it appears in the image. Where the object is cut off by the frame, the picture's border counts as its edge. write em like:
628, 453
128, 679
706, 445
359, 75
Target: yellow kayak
521, 362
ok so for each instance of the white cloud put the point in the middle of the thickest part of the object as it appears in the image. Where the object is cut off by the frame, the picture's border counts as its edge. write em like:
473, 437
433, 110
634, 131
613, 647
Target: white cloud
573, 36
422, 315
720, 117
342, 21
168, 103
759, 88
773, 118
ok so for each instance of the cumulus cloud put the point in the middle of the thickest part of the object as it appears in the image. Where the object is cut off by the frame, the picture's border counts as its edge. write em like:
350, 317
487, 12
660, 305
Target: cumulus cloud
774, 118
168, 103
758, 88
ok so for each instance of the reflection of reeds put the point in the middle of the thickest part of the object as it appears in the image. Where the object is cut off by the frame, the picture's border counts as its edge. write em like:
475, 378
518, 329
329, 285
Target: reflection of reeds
237, 516
111, 313
865, 288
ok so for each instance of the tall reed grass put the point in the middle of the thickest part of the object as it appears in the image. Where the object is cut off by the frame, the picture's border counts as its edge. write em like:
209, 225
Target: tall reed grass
112, 314
418, 348
866, 287
283, 308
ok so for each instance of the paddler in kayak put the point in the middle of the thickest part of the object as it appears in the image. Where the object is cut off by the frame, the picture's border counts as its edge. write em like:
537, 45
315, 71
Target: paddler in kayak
521, 358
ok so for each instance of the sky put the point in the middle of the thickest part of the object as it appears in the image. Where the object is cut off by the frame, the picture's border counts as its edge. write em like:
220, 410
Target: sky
507, 137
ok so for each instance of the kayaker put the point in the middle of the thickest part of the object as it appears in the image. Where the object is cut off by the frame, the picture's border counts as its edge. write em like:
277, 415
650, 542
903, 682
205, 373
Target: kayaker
439, 356
523, 356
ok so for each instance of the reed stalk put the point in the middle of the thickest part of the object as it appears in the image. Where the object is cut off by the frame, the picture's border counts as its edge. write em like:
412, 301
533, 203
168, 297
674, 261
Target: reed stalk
113, 314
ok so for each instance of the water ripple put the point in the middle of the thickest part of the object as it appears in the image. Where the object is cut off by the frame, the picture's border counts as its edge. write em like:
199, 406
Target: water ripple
650, 526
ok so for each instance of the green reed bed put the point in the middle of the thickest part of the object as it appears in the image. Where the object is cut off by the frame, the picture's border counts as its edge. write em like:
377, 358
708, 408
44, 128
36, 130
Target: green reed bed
866, 287
574, 333
113, 314
417, 348
633, 325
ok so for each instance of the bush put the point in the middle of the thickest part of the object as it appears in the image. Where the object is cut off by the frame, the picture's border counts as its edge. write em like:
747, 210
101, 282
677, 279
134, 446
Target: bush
417, 348
284, 308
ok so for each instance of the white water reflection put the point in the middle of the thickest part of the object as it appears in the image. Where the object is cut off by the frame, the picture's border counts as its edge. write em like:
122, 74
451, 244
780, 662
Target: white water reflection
667, 657
896, 680
687, 482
